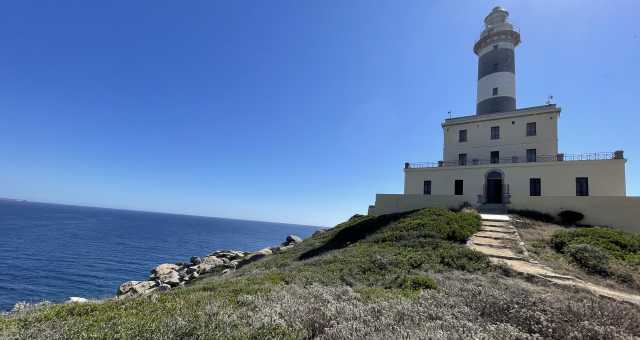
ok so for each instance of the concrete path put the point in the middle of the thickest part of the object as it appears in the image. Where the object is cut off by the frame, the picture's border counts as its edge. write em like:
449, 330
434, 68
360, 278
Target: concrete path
499, 240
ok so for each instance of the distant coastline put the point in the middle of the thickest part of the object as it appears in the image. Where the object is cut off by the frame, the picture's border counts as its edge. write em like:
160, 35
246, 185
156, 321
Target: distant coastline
4, 199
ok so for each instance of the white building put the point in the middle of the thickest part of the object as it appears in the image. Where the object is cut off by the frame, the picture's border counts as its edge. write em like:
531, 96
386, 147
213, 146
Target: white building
506, 158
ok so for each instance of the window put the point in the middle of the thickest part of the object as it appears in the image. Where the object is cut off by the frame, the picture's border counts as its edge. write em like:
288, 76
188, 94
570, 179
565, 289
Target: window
495, 132
531, 155
582, 186
459, 184
495, 157
535, 187
495, 90
462, 136
531, 129
427, 188
462, 159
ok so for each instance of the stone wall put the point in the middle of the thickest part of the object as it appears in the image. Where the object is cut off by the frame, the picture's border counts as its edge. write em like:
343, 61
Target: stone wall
621, 212
393, 203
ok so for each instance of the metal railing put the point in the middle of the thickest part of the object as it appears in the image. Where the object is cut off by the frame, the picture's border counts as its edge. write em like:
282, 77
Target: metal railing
594, 156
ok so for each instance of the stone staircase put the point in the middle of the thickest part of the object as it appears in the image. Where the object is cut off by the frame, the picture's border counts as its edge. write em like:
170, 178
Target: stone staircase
500, 241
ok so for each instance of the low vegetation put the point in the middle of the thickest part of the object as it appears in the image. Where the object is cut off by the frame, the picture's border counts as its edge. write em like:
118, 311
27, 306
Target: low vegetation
589, 257
602, 251
601, 255
619, 244
395, 276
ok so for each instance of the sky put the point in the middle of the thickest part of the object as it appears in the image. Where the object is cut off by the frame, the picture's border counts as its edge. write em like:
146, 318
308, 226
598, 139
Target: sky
288, 111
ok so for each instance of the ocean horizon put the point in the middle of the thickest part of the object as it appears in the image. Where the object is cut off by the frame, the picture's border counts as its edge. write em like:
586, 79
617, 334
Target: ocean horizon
50, 252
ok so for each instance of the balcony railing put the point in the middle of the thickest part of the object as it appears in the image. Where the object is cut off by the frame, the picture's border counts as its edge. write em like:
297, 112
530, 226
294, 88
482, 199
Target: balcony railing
595, 156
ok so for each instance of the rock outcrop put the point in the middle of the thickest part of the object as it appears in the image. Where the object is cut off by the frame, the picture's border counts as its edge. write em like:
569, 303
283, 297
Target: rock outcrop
168, 275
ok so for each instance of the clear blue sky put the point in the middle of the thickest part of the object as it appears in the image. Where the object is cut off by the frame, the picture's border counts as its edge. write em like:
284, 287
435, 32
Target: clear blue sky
292, 111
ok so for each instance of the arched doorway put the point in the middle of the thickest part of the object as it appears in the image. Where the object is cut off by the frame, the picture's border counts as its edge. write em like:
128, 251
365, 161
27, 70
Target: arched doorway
494, 187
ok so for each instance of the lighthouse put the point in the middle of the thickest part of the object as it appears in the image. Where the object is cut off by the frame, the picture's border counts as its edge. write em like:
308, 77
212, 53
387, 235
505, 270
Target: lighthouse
496, 64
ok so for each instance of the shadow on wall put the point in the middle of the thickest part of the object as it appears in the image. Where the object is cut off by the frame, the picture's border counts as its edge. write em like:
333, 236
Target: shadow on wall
354, 233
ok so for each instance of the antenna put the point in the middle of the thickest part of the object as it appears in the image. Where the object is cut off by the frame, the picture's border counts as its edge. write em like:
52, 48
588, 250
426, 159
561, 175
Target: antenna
449, 114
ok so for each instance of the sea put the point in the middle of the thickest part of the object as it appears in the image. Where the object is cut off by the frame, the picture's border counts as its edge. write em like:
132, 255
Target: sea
50, 252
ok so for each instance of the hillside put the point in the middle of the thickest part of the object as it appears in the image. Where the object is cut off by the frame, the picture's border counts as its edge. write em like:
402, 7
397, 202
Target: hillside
395, 276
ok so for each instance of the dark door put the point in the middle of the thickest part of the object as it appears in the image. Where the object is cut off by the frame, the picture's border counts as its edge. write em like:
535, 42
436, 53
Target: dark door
494, 191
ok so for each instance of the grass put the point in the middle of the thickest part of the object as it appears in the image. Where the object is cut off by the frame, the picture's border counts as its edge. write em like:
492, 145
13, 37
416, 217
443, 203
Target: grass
619, 244
600, 255
602, 251
396, 276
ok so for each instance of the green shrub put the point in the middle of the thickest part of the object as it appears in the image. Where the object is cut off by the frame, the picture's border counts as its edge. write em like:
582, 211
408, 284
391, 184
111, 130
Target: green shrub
569, 217
461, 258
419, 282
591, 258
618, 244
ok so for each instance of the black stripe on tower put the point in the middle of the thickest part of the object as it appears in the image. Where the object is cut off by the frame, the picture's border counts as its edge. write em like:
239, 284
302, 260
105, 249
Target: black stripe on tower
496, 60
496, 104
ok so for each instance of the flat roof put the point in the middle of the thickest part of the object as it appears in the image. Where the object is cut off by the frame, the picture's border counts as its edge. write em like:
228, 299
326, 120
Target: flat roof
532, 110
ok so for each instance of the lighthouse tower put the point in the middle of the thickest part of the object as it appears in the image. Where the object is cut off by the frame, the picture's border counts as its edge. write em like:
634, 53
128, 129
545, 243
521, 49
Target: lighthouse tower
496, 64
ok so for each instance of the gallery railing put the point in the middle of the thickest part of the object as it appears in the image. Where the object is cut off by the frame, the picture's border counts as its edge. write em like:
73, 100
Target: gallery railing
594, 156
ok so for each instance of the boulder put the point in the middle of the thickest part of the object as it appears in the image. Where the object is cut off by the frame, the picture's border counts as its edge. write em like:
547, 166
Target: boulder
126, 287
144, 287
75, 299
164, 268
166, 273
212, 261
164, 287
228, 254
171, 278
195, 260
136, 287
208, 265
293, 239
285, 248
254, 257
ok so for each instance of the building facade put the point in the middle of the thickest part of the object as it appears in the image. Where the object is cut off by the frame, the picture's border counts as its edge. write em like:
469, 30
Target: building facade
508, 158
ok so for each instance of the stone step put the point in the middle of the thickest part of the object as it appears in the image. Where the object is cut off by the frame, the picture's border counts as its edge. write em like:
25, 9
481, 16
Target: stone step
496, 224
495, 235
501, 253
491, 242
510, 230
495, 217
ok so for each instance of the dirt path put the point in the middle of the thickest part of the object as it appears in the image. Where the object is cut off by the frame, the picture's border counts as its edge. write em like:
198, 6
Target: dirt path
499, 240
